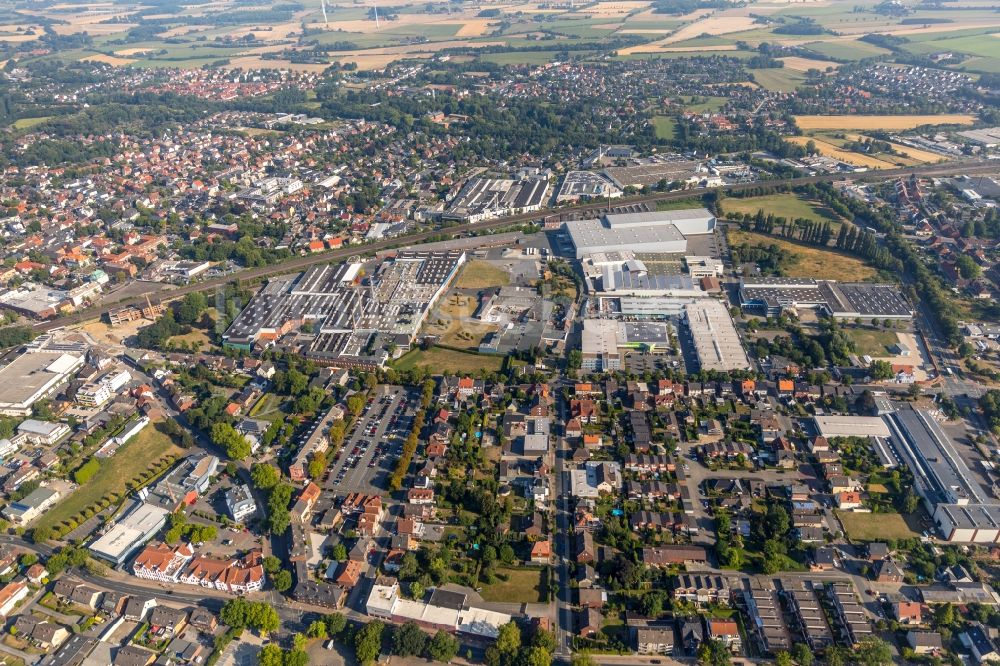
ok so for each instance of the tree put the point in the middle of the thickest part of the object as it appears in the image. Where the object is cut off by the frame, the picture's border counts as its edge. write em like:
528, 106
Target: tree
355, 403
235, 444
265, 476
272, 564
714, 653
409, 640
282, 580
782, 658
802, 655
271, 655
335, 623
873, 651
339, 552
317, 629
582, 659
444, 647
538, 656
967, 267
881, 369
368, 642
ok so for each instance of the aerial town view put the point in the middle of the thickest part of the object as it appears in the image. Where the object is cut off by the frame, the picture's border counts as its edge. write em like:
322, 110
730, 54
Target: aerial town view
500, 333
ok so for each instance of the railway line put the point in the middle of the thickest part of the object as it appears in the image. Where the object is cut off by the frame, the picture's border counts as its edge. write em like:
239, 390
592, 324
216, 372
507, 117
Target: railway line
574, 212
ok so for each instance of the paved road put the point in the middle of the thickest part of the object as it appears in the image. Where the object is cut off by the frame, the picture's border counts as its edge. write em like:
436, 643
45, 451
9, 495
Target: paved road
563, 528
169, 292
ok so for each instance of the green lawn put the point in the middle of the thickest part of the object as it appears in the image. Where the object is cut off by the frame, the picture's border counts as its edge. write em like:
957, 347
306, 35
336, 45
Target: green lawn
787, 205
131, 460
480, 275
28, 123
665, 126
521, 586
438, 360
704, 104
877, 526
871, 341
778, 79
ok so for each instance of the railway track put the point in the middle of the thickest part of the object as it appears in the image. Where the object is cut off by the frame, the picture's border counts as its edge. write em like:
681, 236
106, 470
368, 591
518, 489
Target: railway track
574, 212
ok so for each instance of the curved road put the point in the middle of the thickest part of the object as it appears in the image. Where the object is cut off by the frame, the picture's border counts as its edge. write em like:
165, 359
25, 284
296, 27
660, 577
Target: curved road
301, 262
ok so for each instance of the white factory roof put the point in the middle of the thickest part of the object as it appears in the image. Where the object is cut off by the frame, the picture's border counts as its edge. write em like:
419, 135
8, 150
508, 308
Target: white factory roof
852, 426
716, 342
130, 532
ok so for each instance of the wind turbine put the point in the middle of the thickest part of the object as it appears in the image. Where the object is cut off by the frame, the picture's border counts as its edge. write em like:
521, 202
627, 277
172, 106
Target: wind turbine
375, 7
325, 20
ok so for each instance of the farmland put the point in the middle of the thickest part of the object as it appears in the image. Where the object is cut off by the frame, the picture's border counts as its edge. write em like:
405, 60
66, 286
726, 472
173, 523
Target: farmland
861, 122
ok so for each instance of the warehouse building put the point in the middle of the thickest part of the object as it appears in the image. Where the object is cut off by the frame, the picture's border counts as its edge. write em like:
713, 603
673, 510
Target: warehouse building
838, 425
130, 533
770, 296
962, 510
486, 198
605, 341
656, 232
716, 342
34, 376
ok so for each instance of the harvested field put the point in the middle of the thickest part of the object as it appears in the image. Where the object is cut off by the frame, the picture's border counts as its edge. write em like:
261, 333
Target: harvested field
713, 25
830, 150
797, 64
862, 122
109, 60
474, 28
602, 9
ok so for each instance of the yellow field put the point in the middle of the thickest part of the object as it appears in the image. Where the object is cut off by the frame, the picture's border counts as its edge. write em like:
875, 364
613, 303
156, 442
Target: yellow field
833, 151
713, 25
797, 64
109, 60
616, 8
474, 28
812, 261
807, 123
369, 59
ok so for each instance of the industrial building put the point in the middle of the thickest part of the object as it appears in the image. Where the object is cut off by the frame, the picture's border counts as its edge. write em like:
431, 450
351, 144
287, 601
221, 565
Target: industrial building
446, 609
345, 311
770, 296
713, 334
586, 185
837, 425
605, 341
656, 232
33, 376
961, 509
131, 532
486, 198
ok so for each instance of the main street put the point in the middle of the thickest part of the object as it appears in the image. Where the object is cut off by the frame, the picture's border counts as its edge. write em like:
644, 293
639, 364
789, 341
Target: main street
295, 264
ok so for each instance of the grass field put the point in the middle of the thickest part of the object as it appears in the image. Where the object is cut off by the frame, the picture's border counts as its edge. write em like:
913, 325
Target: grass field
861, 122
846, 50
438, 360
522, 586
871, 341
812, 261
480, 275
877, 526
782, 79
131, 460
28, 123
785, 205
665, 126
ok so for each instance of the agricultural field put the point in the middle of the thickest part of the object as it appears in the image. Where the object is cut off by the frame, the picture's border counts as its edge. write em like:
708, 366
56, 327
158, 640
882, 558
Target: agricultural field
131, 460
438, 359
862, 122
788, 206
783, 79
877, 526
829, 149
811, 261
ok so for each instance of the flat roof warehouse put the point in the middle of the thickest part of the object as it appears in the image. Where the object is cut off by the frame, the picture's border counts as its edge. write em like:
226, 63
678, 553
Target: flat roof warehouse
656, 232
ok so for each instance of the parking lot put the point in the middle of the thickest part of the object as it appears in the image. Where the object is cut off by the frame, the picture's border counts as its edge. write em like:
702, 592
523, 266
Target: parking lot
370, 450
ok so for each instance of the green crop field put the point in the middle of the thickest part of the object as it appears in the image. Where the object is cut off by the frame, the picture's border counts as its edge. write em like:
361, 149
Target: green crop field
778, 79
849, 50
